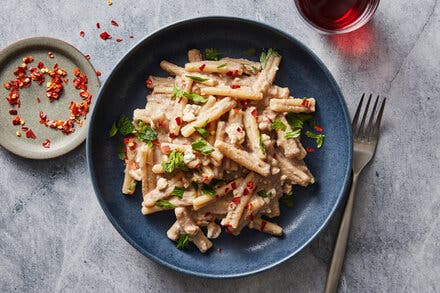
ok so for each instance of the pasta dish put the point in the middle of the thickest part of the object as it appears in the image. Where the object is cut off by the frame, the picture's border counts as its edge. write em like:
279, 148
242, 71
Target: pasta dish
219, 143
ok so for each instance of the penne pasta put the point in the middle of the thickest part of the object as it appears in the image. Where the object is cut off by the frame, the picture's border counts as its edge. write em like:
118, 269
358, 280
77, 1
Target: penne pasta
293, 105
243, 93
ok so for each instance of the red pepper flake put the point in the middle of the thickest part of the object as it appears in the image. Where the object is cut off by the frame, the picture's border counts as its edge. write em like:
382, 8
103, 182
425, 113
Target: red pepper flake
105, 36
250, 185
235, 86
38, 100
262, 225
131, 37
305, 103
12, 111
229, 73
156, 142
148, 83
250, 217
118, 40
235, 73
318, 128
30, 134
16, 121
246, 191
239, 129
40, 65
114, 23
28, 59
226, 190
254, 113
126, 140
132, 145
236, 199
87, 56
236, 110
50, 54
46, 143
160, 123
249, 207
98, 25
24, 128
268, 119
98, 73
202, 67
310, 150
179, 120
234, 185
81, 34
171, 135
227, 228
166, 149
7, 85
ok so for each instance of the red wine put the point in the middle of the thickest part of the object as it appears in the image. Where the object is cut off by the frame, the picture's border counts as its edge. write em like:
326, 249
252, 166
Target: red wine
333, 15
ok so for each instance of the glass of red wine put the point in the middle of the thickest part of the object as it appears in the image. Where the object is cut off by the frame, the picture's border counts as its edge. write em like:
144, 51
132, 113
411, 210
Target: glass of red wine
336, 16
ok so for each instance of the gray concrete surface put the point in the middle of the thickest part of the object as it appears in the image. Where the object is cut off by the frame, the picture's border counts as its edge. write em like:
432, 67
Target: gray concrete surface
55, 238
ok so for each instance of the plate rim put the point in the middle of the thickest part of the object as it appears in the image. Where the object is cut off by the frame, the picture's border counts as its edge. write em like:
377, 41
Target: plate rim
60, 45
347, 172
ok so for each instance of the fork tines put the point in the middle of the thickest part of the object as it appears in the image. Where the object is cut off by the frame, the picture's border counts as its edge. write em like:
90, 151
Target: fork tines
371, 130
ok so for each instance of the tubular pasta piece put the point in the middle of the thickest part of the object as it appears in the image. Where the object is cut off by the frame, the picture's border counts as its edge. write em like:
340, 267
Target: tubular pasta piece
249, 67
266, 227
252, 133
244, 158
155, 81
203, 200
244, 93
188, 226
213, 114
292, 147
206, 66
267, 75
194, 55
278, 92
171, 68
295, 170
255, 205
293, 105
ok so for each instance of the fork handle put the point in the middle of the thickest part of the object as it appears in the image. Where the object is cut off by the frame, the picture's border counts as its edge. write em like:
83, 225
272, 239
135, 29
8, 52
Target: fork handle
334, 273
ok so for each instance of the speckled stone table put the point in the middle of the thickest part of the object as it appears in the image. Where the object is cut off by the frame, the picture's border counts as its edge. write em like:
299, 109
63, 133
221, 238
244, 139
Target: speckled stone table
54, 236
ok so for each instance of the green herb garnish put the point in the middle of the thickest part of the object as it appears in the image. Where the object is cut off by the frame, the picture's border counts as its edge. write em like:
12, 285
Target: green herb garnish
195, 185
318, 137
262, 148
254, 69
132, 185
287, 199
183, 241
293, 134
222, 65
175, 160
113, 130
202, 146
250, 52
178, 93
146, 133
208, 190
264, 57
263, 193
277, 124
202, 130
178, 191
125, 126
164, 204
197, 78
297, 120
212, 54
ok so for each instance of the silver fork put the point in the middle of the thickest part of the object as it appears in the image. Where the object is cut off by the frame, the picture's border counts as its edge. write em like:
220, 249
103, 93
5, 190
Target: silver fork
365, 139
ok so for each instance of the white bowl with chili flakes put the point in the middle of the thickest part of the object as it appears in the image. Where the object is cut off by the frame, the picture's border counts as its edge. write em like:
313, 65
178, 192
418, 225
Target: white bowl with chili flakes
47, 90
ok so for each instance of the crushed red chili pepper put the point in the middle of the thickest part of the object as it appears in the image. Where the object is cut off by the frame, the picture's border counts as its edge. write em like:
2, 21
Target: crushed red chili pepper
16, 121
179, 120
98, 73
310, 150
236, 199
98, 25
46, 143
131, 37
246, 191
234, 185
40, 65
250, 217
318, 128
148, 83
13, 112
30, 134
81, 34
87, 56
254, 113
50, 54
105, 36
171, 135
55, 86
114, 23
262, 225
118, 40
28, 59
235, 86
38, 100
305, 103
250, 185
202, 67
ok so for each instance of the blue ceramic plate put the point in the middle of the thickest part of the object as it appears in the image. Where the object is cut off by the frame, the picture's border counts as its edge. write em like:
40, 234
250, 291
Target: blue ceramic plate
252, 251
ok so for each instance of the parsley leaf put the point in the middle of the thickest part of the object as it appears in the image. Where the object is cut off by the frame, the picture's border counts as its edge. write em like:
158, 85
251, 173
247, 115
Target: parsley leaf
212, 54
293, 134
183, 241
201, 145
120, 147
125, 126
297, 120
146, 133
178, 191
250, 52
177, 92
175, 160
208, 190
277, 124
318, 137
254, 69
113, 130
262, 148
164, 204
202, 130
287, 199
195, 97
265, 56
222, 65
263, 193
197, 78
132, 185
